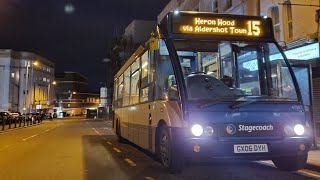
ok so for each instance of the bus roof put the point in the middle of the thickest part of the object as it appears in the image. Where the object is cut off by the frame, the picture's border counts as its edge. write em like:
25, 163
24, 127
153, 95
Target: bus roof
132, 58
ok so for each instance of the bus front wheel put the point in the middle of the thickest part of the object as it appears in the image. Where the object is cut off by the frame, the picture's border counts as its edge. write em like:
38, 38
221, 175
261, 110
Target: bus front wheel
291, 163
169, 156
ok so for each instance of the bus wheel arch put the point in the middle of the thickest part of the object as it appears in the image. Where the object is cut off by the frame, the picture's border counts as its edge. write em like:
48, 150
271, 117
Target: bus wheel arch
169, 157
118, 131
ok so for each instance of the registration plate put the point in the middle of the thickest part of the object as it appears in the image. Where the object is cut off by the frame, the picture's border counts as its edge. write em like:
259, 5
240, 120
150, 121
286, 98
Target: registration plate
250, 148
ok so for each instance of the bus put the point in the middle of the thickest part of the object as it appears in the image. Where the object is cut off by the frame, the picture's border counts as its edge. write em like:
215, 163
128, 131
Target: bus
209, 86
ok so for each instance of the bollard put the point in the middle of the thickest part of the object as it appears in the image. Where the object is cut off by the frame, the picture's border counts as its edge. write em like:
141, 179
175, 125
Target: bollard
28, 122
3, 124
24, 121
15, 122
9, 123
20, 118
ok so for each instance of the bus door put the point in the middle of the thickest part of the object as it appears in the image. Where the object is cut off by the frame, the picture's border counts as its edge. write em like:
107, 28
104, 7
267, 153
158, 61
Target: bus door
143, 116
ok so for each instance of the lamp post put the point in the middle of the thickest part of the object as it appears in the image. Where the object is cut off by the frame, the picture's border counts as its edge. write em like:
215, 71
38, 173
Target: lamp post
35, 63
26, 89
107, 86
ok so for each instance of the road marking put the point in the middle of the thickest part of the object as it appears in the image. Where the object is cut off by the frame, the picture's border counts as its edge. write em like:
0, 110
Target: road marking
45, 131
149, 178
130, 162
302, 171
96, 131
117, 150
309, 172
109, 143
5, 147
30, 137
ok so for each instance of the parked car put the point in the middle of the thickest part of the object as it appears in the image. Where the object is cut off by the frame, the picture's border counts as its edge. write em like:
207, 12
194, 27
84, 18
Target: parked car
4, 116
35, 117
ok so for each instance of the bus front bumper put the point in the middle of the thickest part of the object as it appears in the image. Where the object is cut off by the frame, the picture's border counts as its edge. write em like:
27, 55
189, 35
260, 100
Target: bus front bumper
226, 148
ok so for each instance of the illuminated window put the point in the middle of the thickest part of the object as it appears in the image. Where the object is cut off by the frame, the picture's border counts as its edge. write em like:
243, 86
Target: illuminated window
135, 83
126, 88
288, 11
215, 6
274, 14
228, 4
44, 79
12, 75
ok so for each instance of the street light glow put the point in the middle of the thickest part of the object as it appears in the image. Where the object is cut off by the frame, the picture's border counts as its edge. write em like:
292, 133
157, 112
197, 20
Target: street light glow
54, 82
36, 63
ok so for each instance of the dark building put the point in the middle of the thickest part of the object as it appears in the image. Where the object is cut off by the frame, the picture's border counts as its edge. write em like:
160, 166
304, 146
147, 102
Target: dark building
72, 95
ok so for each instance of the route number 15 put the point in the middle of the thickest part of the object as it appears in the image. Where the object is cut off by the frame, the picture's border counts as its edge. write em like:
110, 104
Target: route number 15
253, 28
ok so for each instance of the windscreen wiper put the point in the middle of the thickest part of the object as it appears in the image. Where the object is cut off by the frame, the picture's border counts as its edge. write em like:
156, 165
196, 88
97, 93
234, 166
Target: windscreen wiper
238, 104
219, 99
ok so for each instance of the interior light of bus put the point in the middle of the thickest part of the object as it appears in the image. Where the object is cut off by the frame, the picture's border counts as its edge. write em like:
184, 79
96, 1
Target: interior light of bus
265, 17
144, 64
299, 129
132, 108
197, 130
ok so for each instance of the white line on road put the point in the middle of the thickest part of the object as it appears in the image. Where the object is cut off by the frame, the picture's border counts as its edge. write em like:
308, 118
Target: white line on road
5, 147
130, 162
109, 143
30, 137
45, 131
117, 150
96, 131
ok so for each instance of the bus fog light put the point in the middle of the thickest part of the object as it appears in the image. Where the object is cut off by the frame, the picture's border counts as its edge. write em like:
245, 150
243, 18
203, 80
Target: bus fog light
209, 131
299, 129
302, 147
196, 148
197, 130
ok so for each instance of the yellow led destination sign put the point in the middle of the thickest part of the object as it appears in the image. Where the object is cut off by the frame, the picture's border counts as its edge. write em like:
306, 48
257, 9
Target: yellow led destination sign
221, 26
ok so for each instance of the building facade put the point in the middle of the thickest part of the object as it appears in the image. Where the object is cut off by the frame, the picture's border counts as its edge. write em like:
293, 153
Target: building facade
139, 31
296, 28
26, 81
72, 95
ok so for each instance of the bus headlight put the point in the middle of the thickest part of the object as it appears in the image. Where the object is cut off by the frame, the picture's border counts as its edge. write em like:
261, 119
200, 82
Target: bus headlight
299, 129
197, 130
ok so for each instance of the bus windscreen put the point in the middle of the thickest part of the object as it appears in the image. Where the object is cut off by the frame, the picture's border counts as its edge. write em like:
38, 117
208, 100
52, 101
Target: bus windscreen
221, 25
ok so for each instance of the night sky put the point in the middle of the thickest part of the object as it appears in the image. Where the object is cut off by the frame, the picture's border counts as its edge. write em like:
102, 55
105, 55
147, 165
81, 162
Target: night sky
75, 37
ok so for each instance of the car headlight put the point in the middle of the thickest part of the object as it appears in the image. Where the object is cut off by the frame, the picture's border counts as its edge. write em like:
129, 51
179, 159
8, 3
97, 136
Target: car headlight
197, 130
299, 129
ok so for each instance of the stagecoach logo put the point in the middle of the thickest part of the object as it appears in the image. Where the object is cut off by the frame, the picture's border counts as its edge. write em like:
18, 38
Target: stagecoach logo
231, 129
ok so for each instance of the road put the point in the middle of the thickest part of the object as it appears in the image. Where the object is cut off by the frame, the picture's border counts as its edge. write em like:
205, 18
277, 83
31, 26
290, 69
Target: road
87, 149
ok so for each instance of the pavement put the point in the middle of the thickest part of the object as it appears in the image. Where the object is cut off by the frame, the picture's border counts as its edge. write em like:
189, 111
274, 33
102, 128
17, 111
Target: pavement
314, 158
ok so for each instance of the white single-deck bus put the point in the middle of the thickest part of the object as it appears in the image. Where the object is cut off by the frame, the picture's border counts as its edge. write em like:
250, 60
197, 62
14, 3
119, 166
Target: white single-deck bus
212, 86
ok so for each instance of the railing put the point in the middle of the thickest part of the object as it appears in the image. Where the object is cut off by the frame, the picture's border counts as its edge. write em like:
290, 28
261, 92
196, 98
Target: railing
7, 123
